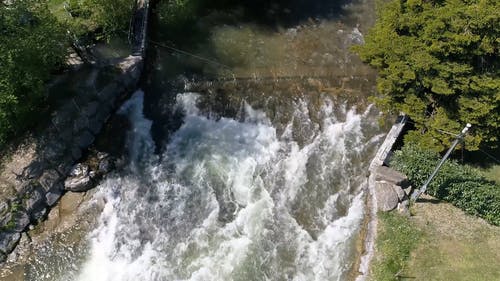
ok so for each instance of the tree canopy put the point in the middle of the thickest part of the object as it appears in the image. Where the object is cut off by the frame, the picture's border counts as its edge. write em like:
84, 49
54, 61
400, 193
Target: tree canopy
32, 45
109, 17
438, 62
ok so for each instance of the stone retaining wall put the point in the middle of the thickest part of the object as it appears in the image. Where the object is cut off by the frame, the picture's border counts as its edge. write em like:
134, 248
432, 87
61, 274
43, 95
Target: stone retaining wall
72, 130
386, 192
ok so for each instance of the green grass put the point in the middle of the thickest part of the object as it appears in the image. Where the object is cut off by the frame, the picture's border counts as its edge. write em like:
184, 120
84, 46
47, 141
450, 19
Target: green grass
56, 7
455, 246
397, 238
492, 173
438, 243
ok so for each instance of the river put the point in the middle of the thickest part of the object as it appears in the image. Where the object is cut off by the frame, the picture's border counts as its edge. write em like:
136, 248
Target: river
246, 160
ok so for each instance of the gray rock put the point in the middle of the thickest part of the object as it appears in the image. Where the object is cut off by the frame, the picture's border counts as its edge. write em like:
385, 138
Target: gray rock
79, 179
383, 173
85, 139
34, 203
65, 165
408, 190
95, 125
37, 216
33, 170
404, 207
48, 179
387, 198
8, 241
78, 184
91, 108
60, 120
400, 192
21, 220
76, 153
4, 207
53, 151
80, 124
65, 136
103, 113
102, 155
104, 165
79, 170
54, 194
108, 94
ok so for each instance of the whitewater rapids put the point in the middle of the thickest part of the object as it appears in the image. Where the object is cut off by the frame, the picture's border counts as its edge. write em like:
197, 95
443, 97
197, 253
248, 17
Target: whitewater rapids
233, 200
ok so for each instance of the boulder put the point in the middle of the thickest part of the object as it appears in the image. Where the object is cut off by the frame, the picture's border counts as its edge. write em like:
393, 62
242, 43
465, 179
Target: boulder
76, 153
80, 124
14, 221
95, 125
53, 151
8, 241
387, 198
85, 139
65, 136
400, 192
383, 173
104, 165
91, 108
60, 120
33, 170
4, 207
34, 203
53, 195
48, 179
404, 207
108, 94
79, 179
65, 164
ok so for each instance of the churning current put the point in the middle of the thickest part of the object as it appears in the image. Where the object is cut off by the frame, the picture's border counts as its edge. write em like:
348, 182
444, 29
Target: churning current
233, 200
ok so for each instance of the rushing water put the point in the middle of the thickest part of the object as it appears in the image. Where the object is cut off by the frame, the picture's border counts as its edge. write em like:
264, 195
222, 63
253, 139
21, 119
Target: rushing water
257, 170
232, 200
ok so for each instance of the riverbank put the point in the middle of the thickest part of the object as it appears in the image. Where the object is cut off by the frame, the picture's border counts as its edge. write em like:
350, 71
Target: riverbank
452, 245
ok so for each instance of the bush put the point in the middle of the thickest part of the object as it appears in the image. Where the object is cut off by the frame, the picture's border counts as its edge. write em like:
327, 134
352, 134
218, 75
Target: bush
32, 45
461, 185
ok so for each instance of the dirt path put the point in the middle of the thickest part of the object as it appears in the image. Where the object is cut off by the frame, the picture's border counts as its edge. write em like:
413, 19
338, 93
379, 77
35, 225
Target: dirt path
455, 246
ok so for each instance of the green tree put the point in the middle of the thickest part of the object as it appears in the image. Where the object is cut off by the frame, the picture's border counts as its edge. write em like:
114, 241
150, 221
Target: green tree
438, 61
103, 18
32, 45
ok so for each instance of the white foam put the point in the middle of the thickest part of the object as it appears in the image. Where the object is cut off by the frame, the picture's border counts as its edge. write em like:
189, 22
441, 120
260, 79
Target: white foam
162, 222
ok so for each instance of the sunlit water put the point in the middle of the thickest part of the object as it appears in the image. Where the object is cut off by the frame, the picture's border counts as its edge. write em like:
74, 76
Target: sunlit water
272, 191
232, 200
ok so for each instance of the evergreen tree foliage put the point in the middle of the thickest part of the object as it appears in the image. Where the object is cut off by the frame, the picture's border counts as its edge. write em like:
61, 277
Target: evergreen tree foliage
438, 62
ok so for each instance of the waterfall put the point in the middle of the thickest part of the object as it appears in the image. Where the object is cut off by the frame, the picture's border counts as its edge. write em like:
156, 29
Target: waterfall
234, 200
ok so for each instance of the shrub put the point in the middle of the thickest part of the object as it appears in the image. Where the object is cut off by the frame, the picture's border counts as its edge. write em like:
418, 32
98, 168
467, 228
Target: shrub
461, 185
32, 45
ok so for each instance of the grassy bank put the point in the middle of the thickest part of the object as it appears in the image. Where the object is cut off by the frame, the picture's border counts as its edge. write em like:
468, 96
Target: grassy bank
438, 242
397, 238
455, 246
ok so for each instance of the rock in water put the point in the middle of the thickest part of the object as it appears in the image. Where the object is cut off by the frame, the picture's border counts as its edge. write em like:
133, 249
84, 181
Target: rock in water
79, 178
